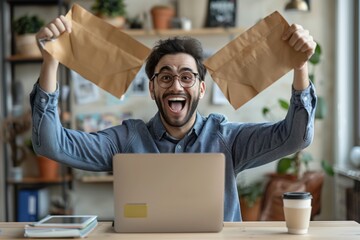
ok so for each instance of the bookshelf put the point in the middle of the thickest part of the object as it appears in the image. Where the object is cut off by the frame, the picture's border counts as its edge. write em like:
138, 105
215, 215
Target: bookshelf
12, 62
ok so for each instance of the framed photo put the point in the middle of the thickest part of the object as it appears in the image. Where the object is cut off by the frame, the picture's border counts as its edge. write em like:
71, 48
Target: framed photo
221, 13
85, 91
140, 83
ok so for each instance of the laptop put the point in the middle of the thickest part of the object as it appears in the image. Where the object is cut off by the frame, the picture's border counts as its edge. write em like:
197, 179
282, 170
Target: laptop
169, 192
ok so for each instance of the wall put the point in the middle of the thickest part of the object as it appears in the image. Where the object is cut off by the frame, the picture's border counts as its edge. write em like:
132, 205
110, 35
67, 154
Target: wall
320, 21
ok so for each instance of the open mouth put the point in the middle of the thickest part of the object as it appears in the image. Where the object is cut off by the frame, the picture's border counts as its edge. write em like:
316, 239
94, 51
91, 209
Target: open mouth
176, 104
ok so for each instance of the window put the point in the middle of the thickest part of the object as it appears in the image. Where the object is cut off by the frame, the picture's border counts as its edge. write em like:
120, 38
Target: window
357, 73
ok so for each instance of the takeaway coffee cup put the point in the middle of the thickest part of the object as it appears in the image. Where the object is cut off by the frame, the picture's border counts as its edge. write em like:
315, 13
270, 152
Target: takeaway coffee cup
297, 210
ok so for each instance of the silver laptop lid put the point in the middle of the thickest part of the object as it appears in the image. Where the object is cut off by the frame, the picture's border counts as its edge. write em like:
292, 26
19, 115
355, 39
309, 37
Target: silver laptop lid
169, 192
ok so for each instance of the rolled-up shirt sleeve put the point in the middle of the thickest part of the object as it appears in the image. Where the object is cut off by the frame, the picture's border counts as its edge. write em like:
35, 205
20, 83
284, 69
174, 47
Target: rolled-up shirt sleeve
88, 151
260, 143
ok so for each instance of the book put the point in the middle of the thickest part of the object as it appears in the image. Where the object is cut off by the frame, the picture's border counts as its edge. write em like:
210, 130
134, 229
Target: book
33, 204
62, 226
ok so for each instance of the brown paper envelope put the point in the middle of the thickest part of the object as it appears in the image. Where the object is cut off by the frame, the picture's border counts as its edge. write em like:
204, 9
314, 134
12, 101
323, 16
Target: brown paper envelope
99, 52
254, 60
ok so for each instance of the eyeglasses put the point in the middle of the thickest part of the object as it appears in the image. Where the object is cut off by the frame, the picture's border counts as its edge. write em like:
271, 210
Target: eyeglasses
166, 80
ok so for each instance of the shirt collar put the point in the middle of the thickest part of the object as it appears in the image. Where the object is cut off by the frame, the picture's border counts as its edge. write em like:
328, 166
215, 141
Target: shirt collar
160, 131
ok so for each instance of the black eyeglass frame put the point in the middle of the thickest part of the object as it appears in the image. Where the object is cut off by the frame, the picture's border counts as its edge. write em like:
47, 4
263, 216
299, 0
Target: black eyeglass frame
181, 84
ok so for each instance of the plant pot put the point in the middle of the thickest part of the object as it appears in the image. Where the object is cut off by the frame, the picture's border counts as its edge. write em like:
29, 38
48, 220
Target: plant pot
48, 169
162, 16
26, 45
250, 213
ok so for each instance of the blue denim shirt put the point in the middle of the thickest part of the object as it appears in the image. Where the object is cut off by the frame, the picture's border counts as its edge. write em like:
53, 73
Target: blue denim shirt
245, 145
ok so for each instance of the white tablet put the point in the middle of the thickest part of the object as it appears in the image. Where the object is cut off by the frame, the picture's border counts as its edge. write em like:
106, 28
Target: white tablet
65, 221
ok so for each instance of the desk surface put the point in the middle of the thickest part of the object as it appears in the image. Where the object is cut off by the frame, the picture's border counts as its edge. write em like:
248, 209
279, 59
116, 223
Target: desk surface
241, 230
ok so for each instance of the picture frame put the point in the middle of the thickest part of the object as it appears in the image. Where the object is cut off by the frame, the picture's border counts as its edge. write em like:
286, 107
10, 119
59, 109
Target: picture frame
221, 13
139, 85
85, 91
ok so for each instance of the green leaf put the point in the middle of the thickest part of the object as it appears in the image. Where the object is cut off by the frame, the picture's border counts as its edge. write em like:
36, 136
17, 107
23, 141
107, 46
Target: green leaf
312, 78
250, 192
283, 104
320, 112
110, 8
27, 24
315, 58
265, 111
328, 168
284, 165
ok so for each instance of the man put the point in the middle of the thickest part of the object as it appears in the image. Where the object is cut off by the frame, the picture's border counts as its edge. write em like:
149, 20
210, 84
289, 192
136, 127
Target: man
176, 84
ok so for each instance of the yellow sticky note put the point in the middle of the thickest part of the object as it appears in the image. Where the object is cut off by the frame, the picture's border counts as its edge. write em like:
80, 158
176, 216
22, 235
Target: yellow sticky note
137, 210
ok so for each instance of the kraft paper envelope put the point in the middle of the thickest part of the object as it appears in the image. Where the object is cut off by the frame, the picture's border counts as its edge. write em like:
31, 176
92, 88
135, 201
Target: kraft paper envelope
98, 51
254, 60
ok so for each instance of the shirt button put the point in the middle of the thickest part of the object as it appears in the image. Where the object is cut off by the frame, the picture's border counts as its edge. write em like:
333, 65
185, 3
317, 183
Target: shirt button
42, 100
179, 147
305, 98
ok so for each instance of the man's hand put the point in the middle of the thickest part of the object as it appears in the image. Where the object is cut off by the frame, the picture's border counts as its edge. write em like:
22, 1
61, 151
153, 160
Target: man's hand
300, 40
50, 65
52, 31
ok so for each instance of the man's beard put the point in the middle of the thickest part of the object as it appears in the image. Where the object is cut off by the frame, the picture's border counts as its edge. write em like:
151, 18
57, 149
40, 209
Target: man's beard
175, 123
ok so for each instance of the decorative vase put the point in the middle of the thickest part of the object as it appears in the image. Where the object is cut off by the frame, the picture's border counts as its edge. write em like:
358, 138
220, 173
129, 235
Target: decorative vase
48, 169
196, 13
162, 16
26, 45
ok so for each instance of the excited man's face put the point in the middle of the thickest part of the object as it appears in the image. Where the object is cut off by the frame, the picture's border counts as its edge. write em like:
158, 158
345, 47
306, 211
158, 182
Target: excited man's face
177, 104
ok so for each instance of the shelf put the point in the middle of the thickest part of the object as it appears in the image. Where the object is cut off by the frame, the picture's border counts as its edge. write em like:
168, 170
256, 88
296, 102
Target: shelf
348, 171
37, 180
18, 58
63, 182
180, 32
149, 33
97, 179
37, 2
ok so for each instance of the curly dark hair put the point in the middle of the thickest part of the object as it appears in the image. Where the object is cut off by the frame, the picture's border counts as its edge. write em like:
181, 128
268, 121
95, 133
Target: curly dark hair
175, 45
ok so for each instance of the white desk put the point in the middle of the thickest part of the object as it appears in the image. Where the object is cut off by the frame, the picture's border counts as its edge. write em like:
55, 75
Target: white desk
337, 230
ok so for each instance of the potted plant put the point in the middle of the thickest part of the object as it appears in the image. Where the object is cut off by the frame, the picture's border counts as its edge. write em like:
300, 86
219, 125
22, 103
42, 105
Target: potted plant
25, 28
112, 11
250, 197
